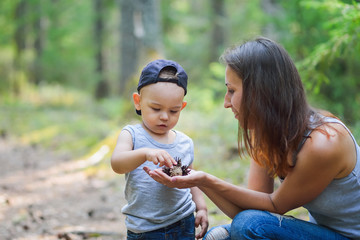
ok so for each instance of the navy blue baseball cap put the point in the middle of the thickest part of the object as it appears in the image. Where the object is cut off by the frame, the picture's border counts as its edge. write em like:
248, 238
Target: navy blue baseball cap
150, 75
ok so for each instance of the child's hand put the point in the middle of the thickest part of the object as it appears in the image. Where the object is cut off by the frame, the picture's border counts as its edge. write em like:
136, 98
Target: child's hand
202, 221
161, 157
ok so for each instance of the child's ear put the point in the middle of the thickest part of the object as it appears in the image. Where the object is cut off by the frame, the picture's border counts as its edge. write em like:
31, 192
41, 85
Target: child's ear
136, 98
183, 105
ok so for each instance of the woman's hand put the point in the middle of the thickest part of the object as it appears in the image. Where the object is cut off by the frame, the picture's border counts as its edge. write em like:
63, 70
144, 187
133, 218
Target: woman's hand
194, 179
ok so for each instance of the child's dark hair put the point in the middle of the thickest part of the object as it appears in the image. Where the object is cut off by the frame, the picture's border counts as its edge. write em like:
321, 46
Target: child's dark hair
168, 72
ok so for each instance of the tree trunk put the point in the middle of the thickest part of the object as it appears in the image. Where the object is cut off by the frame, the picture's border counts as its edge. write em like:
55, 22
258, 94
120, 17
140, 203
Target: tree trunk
39, 42
20, 31
218, 29
128, 45
151, 40
140, 37
20, 36
271, 8
102, 88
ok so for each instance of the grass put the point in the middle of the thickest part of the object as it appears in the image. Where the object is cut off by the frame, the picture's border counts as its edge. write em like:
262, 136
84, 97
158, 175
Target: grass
70, 122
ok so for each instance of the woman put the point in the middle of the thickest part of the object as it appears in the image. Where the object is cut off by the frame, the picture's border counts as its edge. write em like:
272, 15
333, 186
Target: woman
312, 152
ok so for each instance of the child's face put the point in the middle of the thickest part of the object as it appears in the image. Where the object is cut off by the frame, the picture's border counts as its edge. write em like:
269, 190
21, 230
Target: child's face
160, 106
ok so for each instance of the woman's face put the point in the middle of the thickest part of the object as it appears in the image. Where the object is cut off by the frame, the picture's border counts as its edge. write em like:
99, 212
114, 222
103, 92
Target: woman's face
234, 92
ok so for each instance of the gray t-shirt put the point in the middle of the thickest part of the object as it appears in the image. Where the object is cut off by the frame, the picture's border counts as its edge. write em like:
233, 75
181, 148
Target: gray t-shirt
152, 205
338, 206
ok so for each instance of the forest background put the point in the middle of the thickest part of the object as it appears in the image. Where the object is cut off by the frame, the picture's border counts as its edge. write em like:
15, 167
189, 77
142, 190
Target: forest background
68, 68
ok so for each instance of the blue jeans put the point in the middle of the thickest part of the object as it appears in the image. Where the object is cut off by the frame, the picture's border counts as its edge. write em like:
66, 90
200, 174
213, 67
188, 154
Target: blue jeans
181, 230
256, 224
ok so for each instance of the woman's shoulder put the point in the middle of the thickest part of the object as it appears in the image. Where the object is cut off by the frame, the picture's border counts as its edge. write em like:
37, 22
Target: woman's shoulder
329, 145
326, 139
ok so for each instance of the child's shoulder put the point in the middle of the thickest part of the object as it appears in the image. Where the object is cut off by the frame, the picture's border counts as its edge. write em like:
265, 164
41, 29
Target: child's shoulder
182, 134
132, 126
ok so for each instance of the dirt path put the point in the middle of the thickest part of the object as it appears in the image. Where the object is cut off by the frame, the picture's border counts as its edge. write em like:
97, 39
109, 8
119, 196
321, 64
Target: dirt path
44, 195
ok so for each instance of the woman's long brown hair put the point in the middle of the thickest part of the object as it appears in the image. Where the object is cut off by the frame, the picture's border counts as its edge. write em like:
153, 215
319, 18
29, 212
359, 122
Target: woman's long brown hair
275, 112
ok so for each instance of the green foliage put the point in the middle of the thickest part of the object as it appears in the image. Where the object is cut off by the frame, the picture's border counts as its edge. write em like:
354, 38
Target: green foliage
246, 20
6, 13
323, 38
207, 96
58, 118
343, 42
331, 69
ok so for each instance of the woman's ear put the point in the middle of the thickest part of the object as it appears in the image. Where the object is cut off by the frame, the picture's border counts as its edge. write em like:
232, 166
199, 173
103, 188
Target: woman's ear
136, 98
183, 105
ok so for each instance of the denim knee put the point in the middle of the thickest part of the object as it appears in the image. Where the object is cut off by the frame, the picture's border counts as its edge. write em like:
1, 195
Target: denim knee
245, 224
256, 224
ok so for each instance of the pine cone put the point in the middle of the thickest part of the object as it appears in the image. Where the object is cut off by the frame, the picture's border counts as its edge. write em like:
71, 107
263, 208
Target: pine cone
177, 170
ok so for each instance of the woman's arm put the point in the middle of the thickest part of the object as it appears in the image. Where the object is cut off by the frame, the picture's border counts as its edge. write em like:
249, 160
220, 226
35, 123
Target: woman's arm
232, 199
226, 206
322, 159
259, 179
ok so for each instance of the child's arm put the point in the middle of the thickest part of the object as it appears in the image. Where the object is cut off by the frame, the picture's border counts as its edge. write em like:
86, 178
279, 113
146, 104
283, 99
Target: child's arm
201, 211
124, 159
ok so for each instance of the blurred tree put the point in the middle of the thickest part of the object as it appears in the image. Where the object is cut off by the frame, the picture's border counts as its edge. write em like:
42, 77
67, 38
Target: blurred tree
270, 8
39, 42
20, 39
218, 33
102, 88
128, 44
21, 28
193, 32
140, 37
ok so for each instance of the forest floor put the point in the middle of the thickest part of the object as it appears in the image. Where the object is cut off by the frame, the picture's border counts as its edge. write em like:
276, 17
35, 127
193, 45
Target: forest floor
46, 195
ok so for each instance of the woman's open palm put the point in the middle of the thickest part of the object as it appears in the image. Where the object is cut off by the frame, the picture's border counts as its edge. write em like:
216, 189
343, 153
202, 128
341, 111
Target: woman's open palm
191, 180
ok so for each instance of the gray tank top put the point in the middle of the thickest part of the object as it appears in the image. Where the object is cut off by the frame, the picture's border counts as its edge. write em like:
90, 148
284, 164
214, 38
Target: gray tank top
152, 205
338, 206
